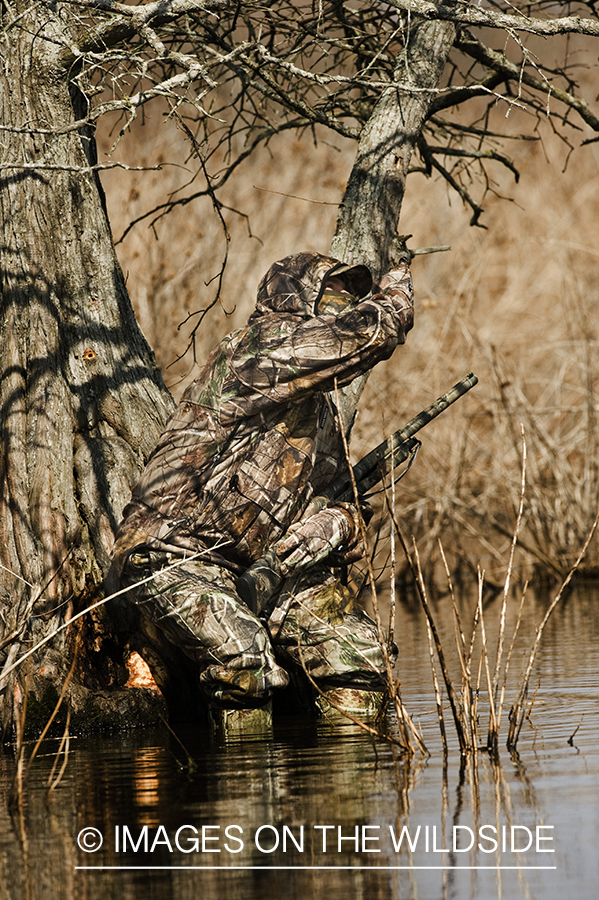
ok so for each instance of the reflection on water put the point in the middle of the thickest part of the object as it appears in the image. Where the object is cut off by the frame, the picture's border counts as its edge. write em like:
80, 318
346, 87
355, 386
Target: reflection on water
319, 811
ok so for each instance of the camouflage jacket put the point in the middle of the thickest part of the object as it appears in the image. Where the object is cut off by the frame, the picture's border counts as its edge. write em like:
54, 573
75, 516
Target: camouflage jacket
255, 436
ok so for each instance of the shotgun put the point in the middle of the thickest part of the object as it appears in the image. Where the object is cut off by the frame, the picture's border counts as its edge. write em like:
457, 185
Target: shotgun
258, 584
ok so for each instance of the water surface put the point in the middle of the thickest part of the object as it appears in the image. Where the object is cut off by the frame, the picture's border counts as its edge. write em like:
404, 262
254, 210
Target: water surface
317, 810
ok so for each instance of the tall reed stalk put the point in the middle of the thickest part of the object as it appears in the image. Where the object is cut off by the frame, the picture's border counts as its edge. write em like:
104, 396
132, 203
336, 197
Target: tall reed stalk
465, 704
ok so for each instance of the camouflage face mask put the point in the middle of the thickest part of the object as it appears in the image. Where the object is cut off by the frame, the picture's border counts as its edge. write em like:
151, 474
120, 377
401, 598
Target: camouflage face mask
295, 285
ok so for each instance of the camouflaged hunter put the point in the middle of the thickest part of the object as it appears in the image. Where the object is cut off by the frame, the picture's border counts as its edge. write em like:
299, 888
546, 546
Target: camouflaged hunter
253, 439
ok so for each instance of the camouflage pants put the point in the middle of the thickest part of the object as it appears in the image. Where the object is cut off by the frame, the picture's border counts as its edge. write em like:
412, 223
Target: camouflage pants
196, 606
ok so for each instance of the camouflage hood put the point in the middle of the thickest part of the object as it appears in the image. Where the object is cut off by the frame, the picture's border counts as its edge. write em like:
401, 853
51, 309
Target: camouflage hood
295, 284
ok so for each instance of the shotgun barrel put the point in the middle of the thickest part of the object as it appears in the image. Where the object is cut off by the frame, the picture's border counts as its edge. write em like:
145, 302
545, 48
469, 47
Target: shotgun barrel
384, 458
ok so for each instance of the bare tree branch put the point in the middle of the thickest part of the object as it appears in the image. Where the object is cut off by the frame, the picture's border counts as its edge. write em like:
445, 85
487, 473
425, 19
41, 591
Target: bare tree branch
129, 21
462, 13
499, 63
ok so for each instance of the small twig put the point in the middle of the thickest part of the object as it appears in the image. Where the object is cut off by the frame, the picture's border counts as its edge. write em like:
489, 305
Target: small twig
509, 656
474, 693
393, 685
295, 197
460, 640
573, 735
437, 692
51, 167
506, 588
63, 748
417, 573
54, 711
492, 733
20, 743
516, 714
392, 596
190, 761
88, 609
422, 251
532, 703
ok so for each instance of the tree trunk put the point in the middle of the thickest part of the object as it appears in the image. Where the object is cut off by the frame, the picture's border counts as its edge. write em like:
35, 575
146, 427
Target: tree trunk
369, 214
82, 400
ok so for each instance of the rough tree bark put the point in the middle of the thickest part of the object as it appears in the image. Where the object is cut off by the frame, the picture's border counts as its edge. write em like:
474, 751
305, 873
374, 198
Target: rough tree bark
82, 400
369, 215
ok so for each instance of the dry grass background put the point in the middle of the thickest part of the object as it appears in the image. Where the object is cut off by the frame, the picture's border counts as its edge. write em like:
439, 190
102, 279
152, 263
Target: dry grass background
514, 303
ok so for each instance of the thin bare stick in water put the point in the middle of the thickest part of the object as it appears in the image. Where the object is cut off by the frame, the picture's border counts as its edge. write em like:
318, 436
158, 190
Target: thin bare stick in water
492, 739
191, 766
84, 612
397, 684
65, 743
509, 657
474, 692
392, 599
460, 641
492, 734
431, 651
421, 588
407, 727
517, 714
54, 711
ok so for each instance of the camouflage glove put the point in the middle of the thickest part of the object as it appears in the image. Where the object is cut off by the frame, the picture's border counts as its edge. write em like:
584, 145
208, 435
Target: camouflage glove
397, 283
313, 539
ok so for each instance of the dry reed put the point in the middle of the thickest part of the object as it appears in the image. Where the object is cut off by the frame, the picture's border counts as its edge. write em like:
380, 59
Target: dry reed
465, 704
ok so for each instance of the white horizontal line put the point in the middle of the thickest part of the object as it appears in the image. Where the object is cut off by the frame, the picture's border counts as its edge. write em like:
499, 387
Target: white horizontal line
294, 868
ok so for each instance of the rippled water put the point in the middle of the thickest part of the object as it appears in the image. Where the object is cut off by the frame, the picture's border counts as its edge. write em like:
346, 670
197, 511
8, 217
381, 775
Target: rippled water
315, 810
